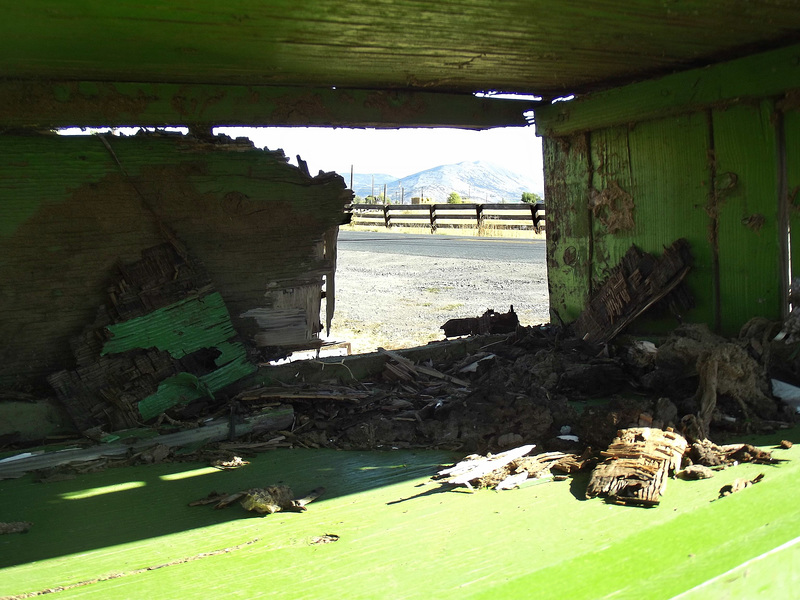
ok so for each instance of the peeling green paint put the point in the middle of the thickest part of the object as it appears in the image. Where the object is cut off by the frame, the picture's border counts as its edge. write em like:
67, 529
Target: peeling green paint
180, 329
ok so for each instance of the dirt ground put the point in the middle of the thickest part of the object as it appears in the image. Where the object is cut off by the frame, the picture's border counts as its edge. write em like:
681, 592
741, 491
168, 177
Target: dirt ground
396, 301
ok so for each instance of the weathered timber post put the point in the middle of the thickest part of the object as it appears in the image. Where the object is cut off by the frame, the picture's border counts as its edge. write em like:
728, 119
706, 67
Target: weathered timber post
386, 219
432, 212
479, 215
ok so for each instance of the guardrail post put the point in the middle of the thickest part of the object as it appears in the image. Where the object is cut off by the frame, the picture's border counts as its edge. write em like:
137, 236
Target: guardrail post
432, 212
479, 215
535, 208
386, 219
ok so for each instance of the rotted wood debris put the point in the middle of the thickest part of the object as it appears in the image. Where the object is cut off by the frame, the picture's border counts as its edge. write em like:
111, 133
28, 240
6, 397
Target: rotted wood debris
637, 466
707, 453
15, 527
509, 469
638, 282
163, 338
739, 484
404, 368
267, 500
488, 323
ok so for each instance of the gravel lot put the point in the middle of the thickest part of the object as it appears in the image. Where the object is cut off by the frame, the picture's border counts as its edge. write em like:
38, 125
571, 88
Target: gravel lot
400, 301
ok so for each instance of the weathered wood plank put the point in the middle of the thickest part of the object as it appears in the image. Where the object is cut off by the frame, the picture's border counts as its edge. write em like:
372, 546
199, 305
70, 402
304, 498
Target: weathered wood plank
746, 187
98, 104
270, 419
757, 76
452, 45
791, 148
614, 201
669, 177
570, 257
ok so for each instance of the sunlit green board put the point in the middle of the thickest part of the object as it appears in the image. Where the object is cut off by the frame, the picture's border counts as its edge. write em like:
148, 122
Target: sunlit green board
400, 536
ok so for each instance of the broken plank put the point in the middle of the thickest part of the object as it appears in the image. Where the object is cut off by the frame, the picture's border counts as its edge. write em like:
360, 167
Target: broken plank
402, 360
285, 394
219, 429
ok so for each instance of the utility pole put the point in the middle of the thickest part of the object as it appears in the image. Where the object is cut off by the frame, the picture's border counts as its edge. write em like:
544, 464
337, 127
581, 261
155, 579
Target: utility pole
373, 188
351, 177
384, 194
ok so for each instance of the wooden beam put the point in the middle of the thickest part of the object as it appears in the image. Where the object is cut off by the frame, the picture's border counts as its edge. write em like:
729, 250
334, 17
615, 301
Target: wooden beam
96, 104
738, 81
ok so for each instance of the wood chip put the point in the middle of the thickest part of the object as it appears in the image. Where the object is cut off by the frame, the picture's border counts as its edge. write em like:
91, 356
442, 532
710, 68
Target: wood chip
738, 485
15, 527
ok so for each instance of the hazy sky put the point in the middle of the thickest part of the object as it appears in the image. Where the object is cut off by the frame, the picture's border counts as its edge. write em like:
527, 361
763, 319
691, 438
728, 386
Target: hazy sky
401, 152
396, 152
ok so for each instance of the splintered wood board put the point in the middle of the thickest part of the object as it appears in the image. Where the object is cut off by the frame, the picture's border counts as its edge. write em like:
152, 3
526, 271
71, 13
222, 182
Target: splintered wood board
637, 466
399, 536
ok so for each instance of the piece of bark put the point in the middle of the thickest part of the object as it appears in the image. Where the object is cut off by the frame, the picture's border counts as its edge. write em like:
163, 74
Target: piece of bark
267, 500
512, 481
212, 498
738, 485
637, 282
695, 472
637, 465
15, 527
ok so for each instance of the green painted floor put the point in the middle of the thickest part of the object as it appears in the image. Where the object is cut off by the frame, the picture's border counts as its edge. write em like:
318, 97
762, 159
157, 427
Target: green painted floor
131, 532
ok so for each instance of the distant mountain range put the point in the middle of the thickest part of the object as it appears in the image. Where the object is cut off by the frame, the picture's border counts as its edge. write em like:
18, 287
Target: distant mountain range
478, 181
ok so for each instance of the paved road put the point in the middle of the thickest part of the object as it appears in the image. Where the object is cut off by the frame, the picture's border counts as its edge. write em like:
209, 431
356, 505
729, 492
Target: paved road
445, 246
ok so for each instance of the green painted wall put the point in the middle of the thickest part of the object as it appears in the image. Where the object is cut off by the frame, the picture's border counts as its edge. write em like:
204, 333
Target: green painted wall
719, 173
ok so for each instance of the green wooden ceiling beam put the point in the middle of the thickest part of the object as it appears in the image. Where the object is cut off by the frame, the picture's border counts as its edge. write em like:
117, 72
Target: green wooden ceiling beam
761, 75
94, 104
457, 46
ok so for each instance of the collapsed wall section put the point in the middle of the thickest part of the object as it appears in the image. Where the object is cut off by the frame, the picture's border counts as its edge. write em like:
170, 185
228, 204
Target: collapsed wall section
77, 212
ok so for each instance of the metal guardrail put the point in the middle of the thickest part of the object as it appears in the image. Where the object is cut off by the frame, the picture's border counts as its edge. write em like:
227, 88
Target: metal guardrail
450, 215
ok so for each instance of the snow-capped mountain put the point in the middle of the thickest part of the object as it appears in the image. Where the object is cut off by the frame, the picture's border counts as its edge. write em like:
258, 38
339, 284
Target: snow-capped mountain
478, 181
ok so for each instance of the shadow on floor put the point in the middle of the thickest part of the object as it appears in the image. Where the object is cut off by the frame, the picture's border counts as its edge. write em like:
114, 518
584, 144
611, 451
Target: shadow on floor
126, 504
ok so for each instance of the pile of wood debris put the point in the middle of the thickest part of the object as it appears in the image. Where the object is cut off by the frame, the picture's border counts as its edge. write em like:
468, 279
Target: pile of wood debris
634, 470
541, 386
538, 385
